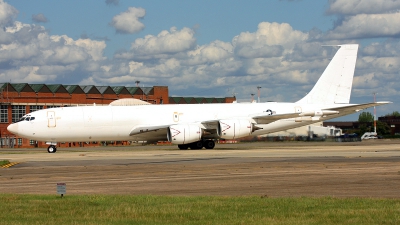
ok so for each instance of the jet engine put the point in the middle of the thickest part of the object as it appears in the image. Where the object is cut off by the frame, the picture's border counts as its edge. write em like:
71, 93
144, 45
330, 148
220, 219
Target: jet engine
231, 129
184, 133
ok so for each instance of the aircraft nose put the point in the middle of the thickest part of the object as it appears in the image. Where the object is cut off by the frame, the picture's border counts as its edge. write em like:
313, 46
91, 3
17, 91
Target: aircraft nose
13, 128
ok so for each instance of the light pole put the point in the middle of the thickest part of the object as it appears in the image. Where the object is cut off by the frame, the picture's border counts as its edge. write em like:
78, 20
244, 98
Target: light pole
375, 112
258, 87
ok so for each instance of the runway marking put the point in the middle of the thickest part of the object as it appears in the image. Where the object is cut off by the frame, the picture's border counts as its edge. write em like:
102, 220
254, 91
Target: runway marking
9, 165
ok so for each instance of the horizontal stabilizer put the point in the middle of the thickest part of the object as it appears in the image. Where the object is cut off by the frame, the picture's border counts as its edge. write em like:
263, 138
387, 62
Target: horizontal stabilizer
348, 109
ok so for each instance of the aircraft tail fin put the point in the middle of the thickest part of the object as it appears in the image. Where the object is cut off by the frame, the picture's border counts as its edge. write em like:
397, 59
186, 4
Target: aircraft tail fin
334, 85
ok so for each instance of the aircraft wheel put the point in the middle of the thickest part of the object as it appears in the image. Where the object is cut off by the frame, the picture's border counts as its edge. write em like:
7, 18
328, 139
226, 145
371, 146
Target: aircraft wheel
209, 144
196, 145
51, 149
183, 147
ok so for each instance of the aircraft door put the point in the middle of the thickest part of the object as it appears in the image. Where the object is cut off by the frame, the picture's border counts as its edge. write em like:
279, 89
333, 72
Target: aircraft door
51, 119
176, 116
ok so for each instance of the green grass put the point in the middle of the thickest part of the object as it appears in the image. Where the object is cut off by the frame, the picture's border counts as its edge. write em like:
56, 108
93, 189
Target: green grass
126, 209
4, 162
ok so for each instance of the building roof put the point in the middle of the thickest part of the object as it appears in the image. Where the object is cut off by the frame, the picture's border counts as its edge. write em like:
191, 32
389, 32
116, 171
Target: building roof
40, 88
76, 89
120, 90
105, 90
195, 100
57, 88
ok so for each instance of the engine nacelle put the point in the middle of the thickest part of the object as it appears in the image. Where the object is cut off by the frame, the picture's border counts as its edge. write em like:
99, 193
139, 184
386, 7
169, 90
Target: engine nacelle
231, 129
184, 134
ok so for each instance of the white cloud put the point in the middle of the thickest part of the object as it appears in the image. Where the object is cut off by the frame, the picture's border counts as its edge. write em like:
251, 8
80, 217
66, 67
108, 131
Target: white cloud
270, 34
353, 7
39, 18
376, 49
367, 26
30, 54
216, 51
378, 72
7, 13
166, 42
128, 22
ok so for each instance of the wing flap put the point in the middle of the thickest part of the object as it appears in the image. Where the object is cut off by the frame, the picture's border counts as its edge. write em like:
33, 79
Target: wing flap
265, 119
146, 128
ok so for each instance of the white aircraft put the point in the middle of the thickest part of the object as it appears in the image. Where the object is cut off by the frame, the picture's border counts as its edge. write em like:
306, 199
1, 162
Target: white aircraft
197, 126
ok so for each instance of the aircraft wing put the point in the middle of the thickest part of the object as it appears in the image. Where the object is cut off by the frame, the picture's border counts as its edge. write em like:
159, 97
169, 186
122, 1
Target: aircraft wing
349, 109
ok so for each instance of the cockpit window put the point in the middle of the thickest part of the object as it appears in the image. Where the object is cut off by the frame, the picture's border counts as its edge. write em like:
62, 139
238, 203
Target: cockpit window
26, 118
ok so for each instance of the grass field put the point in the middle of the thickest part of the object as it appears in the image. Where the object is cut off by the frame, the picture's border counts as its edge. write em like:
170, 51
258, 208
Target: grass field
126, 209
4, 162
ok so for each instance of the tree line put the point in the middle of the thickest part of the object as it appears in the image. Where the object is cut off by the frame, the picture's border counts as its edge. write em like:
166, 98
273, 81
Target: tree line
366, 120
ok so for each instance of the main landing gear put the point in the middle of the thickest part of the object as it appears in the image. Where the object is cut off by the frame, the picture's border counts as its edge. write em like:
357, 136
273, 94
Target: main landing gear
208, 144
52, 149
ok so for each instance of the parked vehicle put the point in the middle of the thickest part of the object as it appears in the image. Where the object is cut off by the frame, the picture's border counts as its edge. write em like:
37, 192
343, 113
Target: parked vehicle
369, 135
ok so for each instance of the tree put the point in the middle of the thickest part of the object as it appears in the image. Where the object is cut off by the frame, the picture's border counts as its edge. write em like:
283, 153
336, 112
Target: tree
382, 128
395, 114
366, 117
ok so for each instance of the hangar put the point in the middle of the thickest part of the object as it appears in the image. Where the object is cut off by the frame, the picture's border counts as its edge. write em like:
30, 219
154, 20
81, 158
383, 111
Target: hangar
18, 99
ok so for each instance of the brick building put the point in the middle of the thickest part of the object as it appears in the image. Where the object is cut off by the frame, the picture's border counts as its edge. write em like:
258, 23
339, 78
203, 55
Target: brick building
19, 99
393, 122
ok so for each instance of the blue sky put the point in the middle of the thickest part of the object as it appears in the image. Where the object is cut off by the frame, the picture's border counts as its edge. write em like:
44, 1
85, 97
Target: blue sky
202, 48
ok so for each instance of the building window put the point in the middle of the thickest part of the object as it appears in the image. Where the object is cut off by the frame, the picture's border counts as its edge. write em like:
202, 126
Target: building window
32, 142
4, 114
53, 106
33, 108
18, 111
19, 141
